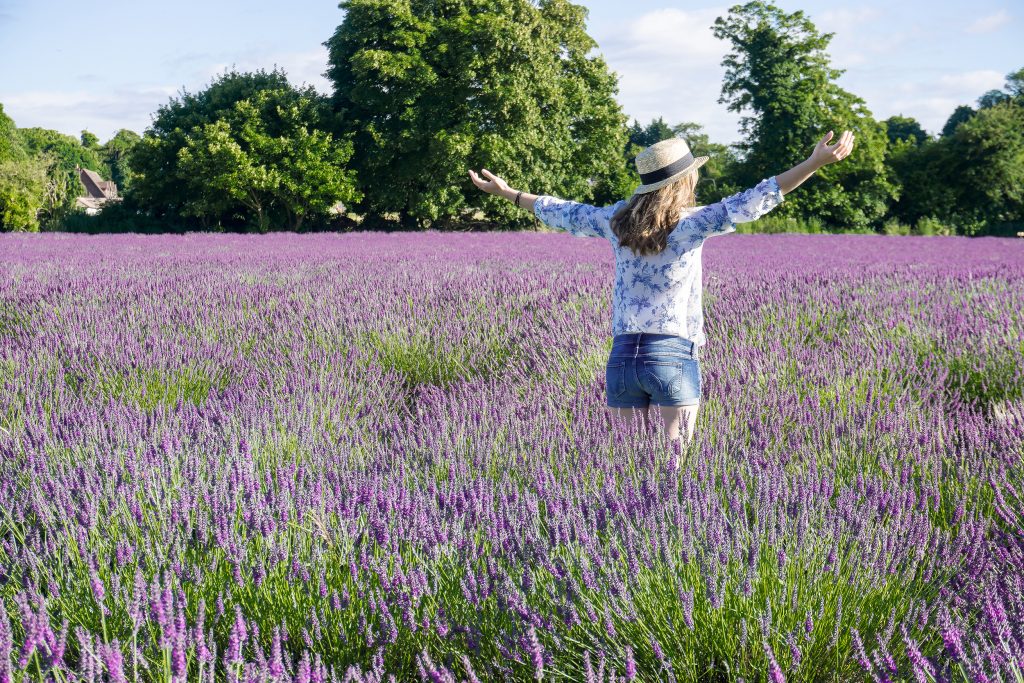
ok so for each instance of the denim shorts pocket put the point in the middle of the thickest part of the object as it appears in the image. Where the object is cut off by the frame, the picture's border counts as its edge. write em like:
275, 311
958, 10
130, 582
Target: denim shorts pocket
615, 378
668, 375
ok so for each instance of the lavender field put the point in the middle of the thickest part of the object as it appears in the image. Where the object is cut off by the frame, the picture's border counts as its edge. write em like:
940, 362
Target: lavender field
376, 457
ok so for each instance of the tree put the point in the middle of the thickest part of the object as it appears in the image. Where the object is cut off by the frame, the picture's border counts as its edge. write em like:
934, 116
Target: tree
1015, 83
22, 192
157, 184
923, 174
992, 97
10, 143
276, 132
779, 71
986, 155
431, 88
264, 155
716, 173
901, 127
89, 140
64, 155
960, 115
656, 131
116, 153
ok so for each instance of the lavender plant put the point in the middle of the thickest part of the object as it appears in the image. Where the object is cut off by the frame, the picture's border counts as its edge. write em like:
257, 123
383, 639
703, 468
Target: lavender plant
371, 457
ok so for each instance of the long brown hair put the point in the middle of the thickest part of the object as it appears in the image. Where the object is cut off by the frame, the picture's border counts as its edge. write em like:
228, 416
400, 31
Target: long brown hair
645, 221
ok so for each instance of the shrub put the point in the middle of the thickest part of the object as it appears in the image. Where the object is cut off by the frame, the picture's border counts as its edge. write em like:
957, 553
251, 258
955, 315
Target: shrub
929, 225
893, 226
778, 224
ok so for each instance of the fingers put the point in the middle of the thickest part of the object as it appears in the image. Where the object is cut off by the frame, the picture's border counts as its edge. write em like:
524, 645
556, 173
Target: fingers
842, 147
478, 181
845, 144
489, 175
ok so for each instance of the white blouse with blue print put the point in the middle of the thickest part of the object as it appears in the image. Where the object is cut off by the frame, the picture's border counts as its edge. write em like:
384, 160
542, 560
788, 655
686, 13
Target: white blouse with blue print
661, 293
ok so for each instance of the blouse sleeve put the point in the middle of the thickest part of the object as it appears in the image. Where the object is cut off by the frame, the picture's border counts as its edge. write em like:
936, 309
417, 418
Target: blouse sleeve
582, 220
749, 205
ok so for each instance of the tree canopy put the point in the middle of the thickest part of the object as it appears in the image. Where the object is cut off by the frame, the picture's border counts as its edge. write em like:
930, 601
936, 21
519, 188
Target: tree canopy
904, 128
431, 88
779, 72
249, 149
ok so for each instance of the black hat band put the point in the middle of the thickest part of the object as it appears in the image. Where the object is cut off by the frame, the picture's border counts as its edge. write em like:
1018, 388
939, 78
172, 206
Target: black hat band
666, 171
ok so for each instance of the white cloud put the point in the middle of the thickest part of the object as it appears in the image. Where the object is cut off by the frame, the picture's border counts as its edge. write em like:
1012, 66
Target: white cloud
844, 18
108, 109
929, 99
855, 42
991, 22
103, 113
669, 65
974, 81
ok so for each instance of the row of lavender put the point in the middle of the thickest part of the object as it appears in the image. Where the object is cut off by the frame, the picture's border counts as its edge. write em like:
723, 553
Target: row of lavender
352, 457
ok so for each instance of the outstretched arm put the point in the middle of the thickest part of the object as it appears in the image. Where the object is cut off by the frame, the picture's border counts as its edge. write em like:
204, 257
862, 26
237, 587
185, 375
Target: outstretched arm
496, 186
821, 156
576, 218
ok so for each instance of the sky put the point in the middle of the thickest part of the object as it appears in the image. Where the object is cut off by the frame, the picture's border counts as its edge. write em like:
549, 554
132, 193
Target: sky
111, 66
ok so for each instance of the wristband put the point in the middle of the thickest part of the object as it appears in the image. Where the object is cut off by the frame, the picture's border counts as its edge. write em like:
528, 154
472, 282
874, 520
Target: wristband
520, 194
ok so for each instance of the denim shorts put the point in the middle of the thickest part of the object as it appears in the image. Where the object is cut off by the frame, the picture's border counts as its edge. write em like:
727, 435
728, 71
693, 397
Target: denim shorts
645, 367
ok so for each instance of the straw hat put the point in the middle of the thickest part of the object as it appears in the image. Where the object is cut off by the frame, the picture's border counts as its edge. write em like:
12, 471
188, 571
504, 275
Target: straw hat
665, 162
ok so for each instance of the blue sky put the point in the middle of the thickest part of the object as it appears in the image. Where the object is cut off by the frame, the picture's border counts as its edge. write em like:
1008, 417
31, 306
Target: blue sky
111, 66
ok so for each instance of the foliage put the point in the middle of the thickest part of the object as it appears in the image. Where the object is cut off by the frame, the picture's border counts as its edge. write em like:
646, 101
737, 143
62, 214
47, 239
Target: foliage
66, 155
960, 115
717, 174
263, 156
66, 149
972, 178
238, 459
991, 98
249, 149
645, 136
778, 70
929, 225
715, 181
89, 140
10, 143
986, 166
430, 89
116, 153
904, 128
22, 193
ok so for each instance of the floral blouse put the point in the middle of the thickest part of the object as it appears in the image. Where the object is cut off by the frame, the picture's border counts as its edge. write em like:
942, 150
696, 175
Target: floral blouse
661, 292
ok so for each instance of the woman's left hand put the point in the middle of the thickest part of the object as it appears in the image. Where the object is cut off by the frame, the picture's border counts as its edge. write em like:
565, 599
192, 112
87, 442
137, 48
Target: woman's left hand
494, 184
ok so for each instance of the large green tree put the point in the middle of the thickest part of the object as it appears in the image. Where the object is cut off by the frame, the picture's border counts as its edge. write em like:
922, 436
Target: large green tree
63, 156
183, 169
779, 72
264, 156
431, 88
971, 176
986, 167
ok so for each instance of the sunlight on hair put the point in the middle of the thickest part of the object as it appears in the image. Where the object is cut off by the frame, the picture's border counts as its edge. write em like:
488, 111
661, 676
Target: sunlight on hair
646, 220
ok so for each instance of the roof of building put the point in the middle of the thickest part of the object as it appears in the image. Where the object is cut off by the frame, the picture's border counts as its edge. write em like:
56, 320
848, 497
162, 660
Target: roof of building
95, 186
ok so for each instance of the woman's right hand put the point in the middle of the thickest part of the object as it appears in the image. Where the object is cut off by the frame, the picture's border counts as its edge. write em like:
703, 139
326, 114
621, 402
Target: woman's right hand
824, 154
493, 184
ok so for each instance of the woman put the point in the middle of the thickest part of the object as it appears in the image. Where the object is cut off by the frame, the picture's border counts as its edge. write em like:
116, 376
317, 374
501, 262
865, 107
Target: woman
657, 235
